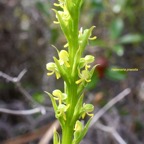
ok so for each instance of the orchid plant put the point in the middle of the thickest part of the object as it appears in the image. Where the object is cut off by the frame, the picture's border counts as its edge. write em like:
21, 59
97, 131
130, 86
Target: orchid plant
76, 72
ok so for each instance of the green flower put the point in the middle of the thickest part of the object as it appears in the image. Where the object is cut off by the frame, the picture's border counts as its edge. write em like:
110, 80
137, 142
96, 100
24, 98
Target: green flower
78, 130
64, 58
86, 109
84, 76
78, 126
86, 61
61, 111
64, 15
83, 33
59, 96
53, 68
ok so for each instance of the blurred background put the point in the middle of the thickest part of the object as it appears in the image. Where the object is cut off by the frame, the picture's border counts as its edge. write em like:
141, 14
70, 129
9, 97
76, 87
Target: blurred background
27, 34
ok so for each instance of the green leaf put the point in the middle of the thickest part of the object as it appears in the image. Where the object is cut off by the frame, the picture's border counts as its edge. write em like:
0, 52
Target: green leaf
98, 42
63, 25
118, 49
38, 97
86, 128
94, 80
77, 108
43, 7
83, 133
116, 28
97, 5
131, 38
84, 38
56, 138
78, 105
117, 75
55, 107
53, 101
61, 69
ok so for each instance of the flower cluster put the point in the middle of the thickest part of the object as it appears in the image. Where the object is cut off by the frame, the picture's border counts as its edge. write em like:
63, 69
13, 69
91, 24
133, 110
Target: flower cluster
76, 72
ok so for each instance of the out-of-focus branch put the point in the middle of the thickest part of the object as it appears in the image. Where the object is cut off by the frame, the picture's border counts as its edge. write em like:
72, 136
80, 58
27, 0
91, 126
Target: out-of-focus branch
110, 104
28, 137
16, 81
13, 79
49, 134
112, 131
23, 112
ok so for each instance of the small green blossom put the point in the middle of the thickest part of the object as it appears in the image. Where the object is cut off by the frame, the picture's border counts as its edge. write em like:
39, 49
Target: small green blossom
64, 58
84, 76
61, 111
65, 16
86, 61
53, 68
78, 126
56, 137
78, 130
59, 96
82, 34
86, 109
60, 4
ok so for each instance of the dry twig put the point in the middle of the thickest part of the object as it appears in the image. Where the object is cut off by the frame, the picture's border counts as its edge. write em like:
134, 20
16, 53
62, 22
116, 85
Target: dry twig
16, 81
112, 131
49, 134
111, 103
23, 112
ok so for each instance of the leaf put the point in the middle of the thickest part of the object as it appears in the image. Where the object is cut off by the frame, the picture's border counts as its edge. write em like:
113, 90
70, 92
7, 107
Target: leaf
84, 38
61, 69
98, 42
97, 5
116, 28
56, 138
86, 128
53, 101
116, 75
118, 49
77, 108
38, 97
83, 133
63, 25
131, 38
43, 7
79, 104
94, 80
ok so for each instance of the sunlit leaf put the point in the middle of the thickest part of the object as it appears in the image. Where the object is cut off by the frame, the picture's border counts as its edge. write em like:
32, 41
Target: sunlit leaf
131, 38
118, 49
115, 73
116, 28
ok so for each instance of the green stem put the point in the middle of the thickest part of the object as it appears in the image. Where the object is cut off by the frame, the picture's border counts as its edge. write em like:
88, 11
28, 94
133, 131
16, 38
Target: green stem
67, 134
